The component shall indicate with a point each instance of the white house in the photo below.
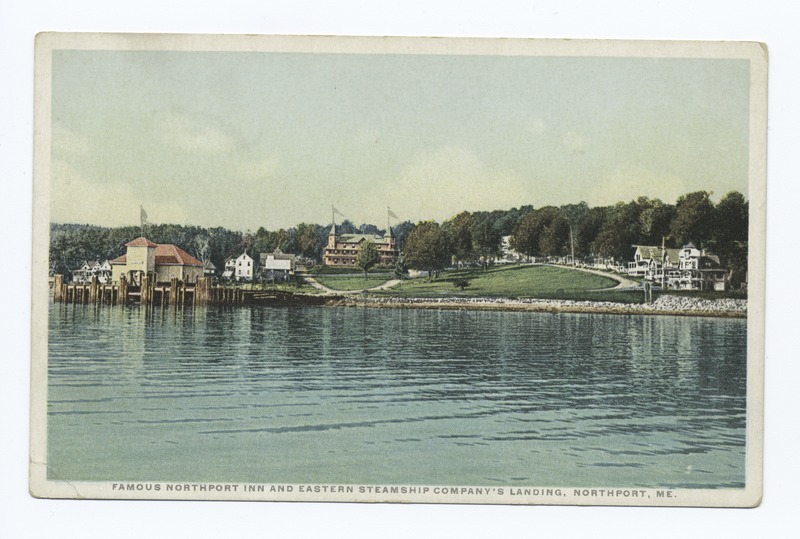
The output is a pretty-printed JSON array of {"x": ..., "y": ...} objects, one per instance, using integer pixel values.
[
  {"x": 276, "y": 266},
  {"x": 240, "y": 268},
  {"x": 89, "y": 269},
  {"x": 697, "y": 270},
  {"x": 650, "y": 262},
  {"x": 509, "y": 255}
]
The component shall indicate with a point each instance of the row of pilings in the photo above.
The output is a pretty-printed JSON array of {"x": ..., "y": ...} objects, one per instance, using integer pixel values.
[
  {"x": 148, "y": 292},
  {"x": 92, "y": 292}
]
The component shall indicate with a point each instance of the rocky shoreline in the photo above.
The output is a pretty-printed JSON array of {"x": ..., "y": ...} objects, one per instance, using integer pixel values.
[{"x": 664, "y": 305}]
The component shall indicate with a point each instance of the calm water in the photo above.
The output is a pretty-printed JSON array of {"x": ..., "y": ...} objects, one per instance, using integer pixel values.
[{"x": 338, "y": 395}]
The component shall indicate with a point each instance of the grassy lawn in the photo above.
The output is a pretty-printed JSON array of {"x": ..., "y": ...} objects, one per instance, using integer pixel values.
[
  {"x": 332, "y": 270},
  {"x": 544, "y": 282},
  {"x": 352, "y": 282}
]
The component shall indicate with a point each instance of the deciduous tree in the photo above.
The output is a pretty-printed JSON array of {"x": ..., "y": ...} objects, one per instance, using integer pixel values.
[
  {"x": 427, "y": 248},
  {"x": 367, "y": 256}
]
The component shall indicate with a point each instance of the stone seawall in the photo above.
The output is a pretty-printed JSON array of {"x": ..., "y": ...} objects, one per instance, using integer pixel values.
[{"x": 664, "y": 305}]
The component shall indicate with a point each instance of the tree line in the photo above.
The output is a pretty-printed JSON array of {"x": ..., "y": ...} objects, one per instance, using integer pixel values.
[
  {"x": 607, "y": 232},
  {"x": 469, "y": 237},
  {"x": 71, "y": 244}
]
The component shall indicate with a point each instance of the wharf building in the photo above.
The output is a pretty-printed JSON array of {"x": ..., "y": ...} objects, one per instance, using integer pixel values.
[{"x": 165, "y": 261}]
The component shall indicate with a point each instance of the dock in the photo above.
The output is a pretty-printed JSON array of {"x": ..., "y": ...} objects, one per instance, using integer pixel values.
[{"x": 175, "y": 294}]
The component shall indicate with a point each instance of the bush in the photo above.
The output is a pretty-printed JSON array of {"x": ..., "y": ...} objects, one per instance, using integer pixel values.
[{"x": 461, "y": 283}]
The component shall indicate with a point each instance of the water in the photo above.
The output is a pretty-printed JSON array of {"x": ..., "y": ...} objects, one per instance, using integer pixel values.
[{"x": 371, "y": 396}]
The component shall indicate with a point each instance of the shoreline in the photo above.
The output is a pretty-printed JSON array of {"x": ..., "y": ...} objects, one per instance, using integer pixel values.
[{"x": 664, "y": 306}]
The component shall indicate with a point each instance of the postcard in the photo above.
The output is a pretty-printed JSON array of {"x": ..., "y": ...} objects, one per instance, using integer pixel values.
[{"x": 384, "y": 269}]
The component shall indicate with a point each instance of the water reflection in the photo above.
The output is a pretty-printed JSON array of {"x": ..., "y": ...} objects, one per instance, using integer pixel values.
[{"x": 408, "y": 396}]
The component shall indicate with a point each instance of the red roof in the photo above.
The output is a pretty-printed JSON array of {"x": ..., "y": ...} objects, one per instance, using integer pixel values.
[
  {"x": 172, "y": 254},
  {"x": 167, "y": 254},
  {"x": 141, "y": 241}
]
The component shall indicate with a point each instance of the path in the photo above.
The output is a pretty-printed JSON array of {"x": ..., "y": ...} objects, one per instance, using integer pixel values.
[
  {"x": 301, "y": 272},
  {"x": 622, "y": 282}
]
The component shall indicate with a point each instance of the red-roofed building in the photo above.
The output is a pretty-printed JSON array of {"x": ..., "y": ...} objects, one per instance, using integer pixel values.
[{"x": 166, "y": 261}]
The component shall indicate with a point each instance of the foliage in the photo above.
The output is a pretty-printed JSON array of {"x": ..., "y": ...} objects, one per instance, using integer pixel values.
[
  {"x": 461, "y": 283},
  {"x": 367, "y": 256},
  {"x": 602, "y": 231},
  {"x": 694, "y": 214},
  {"x": 485, "y": 240},
  {"x": 528, "y": 235},
  {"x": 459, "y": 230},
  {"x": 401, "y": 231},
  {"x": 427, "y": 248},
  {"x": 619, "y": 232}
]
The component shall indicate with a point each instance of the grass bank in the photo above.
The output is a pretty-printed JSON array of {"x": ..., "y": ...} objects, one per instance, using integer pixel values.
[
  {"x": 545, "y": 282},
  {"x": 334, "y": 270}
]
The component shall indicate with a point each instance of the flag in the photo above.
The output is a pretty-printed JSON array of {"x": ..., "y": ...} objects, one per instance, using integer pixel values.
[
  {"x": 392, "y": 214},
  {"x": 143, "y": 215},
  {"x": 336, "y": 212}
]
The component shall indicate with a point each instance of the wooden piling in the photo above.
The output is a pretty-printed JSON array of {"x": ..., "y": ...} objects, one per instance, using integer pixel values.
[
  {"x": 58, "y": 287},
  {"x": 93, "y": 289},
  {"x": 122, "y": 292},
  {"x": 200, "y": 292},
  {"x": 147, "y": 290}
]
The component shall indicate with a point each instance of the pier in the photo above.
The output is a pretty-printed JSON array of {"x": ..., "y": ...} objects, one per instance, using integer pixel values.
[{"x": 175, "y": 294}]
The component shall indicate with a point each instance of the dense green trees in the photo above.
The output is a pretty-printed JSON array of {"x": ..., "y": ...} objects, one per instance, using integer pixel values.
[
  {"x": 427, "y": 248},
  {"x": 533, "y": 228},
  {"x": 604, "y": 231},
  {"x": 694, "y": 219},
  {"x": 459, "y": 231},
  {"x": 485, "y": 239}
]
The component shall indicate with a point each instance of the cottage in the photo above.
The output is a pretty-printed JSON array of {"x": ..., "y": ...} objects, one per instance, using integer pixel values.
[
  {"x": 276, "y": 266},
  {"x": 164, "y": 261},
  {"x": 240, "y": 268},
  {"x": 651, "y": 262},
  {"x": 89, "y": 269},
  {"x": 697, "y": 270},
  {"x": 341, "y": 249}
]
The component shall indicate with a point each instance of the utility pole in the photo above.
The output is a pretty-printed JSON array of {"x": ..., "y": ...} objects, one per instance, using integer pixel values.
[
  {"x": 572, "y": 244},
  {"x": 663, "y": 262}
]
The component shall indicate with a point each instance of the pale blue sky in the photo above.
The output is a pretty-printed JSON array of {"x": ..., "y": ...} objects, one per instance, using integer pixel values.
[{"x": 244, "y": 140}]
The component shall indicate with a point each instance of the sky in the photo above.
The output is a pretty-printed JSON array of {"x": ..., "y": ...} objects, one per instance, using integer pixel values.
[{"x": 250, "y": 139}]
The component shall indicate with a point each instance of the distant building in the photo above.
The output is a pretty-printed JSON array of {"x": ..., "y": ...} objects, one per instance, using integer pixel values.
[
  {"x": 277, "y": 266},
  {"x": 165, "y": 261},
  {"x": 209, "y": 269},
  {"x": 697, "y": 270},
  {"x": 509, "y": 255},
  {"x": 89, "y": 269},
  {"x": 341, "y": 249},
  {"x": 241, "y": 268},
  {"x": 650, "y": 261}
]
